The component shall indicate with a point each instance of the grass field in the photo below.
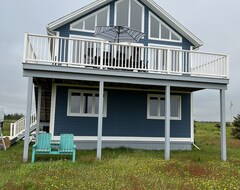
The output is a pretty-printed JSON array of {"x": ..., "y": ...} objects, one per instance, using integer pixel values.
[{"x": 127, "y": 169}]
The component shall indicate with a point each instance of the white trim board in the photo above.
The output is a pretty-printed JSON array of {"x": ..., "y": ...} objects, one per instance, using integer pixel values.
[{"x": 129, "y": 139}]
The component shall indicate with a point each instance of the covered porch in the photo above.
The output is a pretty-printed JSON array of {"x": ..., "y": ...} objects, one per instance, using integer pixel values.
[{"x": 131, "y": 79}]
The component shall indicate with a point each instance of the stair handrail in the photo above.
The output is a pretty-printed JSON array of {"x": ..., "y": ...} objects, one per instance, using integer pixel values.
[{"x": 19, "y": 126}]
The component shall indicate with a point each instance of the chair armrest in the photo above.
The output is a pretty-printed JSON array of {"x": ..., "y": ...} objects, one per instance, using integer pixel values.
[
  {"x": 74, "y": 146},
  {"x": 35, "y": 146}
]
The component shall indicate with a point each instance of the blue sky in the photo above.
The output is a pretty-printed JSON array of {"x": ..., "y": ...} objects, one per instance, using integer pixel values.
[{"x": 216, "y": 23}]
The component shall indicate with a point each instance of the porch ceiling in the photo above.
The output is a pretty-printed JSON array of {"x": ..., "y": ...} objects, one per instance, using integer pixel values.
[{"x": 111, "y": 85}]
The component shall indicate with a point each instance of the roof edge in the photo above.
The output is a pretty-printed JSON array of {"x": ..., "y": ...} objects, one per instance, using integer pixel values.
[{"x": 71, "y": 16}]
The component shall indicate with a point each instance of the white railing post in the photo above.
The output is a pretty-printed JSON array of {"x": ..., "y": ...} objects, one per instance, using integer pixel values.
[
  {"x": 14, "y": 129},
  {"x": 168, "y": 61},
  {"x": 101, "y": 55},
  {"x": 25, "y": 49},
  {"x": 190, "y": 62},
  {"x": 11, "y": 128},
  {"x": 227, "y": 66}
]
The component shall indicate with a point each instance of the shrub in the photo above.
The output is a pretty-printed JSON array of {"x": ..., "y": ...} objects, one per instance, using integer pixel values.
[
  {"x": 228, "y": 124},
  {"x": 236, "y": 128}
]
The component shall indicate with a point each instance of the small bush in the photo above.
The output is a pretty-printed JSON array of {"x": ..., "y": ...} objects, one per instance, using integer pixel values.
[
  {"x": 228, "y": 124},
  {"x": 236, "y": 128}
]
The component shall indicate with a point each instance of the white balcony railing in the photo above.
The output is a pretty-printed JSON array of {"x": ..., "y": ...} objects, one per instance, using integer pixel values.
[{"x": 98, "y": 54}]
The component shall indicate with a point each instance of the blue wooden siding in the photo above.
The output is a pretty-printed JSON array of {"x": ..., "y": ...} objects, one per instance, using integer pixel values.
[
  {"x": 126, "y": 116},
  {"x": 66, "y": 32}
]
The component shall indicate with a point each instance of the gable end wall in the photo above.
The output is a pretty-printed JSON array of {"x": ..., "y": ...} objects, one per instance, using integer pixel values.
[{"x": 66, "y": 32}]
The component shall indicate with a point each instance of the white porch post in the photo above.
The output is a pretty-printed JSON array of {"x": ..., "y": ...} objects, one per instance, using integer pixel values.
[
  {"x": 100, "y": 120},
  {"x": 28, "y": 119},
  {"x": 167, "y": 123},
  {"x": 223, "y": 125},
  {"x": 39, "y": 108}
]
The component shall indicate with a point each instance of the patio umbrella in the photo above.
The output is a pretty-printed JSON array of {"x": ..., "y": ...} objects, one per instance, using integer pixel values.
[{"x": 118, "y": 33}]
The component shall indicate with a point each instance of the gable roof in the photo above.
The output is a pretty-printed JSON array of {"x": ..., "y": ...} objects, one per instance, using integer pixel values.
[{"x": 150, "y": 3}]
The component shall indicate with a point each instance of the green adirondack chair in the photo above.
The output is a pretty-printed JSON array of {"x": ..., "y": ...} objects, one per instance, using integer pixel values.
[
  {"x": 67, "y": 145},
  {"x": 42, "y": 145}
]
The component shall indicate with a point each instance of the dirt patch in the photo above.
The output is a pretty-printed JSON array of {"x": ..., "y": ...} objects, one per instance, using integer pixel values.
[
  {"x": 233, "y": 143},
  {"x": 198, "y": 171},
  {"x": 173, "y": 169}
]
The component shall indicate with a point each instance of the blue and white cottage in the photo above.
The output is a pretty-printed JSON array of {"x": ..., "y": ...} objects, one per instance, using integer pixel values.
[{"x": 136, "y": 95}]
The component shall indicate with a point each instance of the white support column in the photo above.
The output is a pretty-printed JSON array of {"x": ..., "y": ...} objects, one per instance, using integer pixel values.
[
  {"x": 39, "y": 108},
  {"x": 100, "y": 120},
  {"x": 223, "y": 125},
  {"x": 167, "y": 123},
  {"x": 192, "y": 120},
  {"x": 28, "y": 119}
]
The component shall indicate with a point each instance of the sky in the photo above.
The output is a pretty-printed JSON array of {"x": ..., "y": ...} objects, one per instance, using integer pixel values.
[{"x": 216, "y": 23}]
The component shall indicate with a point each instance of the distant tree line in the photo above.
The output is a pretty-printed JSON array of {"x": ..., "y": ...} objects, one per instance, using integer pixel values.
[{"x": 14, "y": 116}]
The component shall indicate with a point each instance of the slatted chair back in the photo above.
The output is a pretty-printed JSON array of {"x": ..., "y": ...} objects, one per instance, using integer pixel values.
[
  {"x": 43, "y": 142},
  {"x": 66, "y": 143}
]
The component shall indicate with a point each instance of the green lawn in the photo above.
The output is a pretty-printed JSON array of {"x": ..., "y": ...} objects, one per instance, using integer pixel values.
[{"x": 129, "y": 169}]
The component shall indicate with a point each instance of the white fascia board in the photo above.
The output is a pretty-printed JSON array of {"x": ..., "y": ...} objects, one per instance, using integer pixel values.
[{"x": 70, "y": 17}]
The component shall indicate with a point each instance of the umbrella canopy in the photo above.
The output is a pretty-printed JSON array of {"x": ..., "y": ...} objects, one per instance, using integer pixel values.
[{"x": 118, "y": 33}]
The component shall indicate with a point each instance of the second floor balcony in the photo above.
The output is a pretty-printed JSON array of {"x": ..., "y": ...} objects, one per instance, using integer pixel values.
[{"x": 61, "y": 51}]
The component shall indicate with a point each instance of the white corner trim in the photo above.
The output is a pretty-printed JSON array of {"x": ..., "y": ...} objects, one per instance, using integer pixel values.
[
  {"x": 130, "y": 139},
  {"x": 53, "y": 109}
]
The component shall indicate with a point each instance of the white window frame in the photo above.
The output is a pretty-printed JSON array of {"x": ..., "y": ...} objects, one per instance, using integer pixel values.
[
  {"x": 161, "y": 23},
  {"x": 129, "y": 13},
  {"x": 85, "y": 18},
  {"x": 81, "y": 113},
  {"x": 163, "y": 117}
]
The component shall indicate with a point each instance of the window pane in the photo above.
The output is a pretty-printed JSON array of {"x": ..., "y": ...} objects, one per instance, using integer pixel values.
[
  {"x": 175, "y": 37},
  {"x": 90, "y": 23},
  {"x": 122, "y": 13},
  {"x": 102, "y": 18},
  {"x": 154, "y": 28},
  {"x": 136, "y": 16},
  {"x": 75, "y": 102},
  {"x": 153, "y": 106},
  {"x": 175, "y": 106},
  {"x": 96, "y": 103},
  {"x": 165, "y": 32},
  {"x": 162, "y": 107},
  {"x": 87, "y": 102},
  {"x": 78, "y": 25}
]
